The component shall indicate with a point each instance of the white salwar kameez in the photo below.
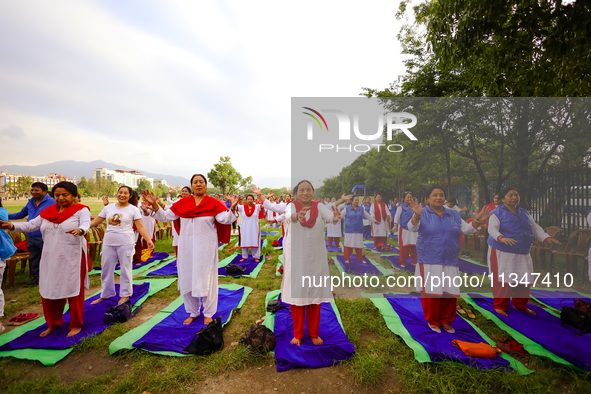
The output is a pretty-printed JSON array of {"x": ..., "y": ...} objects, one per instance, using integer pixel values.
[
  {"x": 250, "y": 232},
  {"x": 334, "y": 230},
  {"x": 509, "y": 264},
  {"x": 59, "y": 269},
  {"x": 197, "y": 259},
  {"x": 379, "y": 230},
  {"x": 428, "y": 271},
  {"x": 355, "y": 240},
  {"x": 405, "y": 237}
]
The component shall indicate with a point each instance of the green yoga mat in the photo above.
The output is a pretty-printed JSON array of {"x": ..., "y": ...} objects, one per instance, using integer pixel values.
[
  {"x": 50, "y": 357},
  {"x": 395, "y": 325},
  {"x": 138, "y": 270},
  {"x": 279, "y": 264},
  {"x": 550, "y": 308},
  {"x": 127, "y": 340}
]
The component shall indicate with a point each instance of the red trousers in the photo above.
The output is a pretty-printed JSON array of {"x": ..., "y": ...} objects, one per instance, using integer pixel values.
[
  {"x": 336, "y": 240},
  {"x": 502, "y": 292},
  {"x": 54, "y": 309},
  {"x": 380, "y": 241},
  {"x": 405, "y": 251},
  {"x": 439, "y": 310},
  {"x": 298, "y": 315},
  {"x": 348, "y": 252}
]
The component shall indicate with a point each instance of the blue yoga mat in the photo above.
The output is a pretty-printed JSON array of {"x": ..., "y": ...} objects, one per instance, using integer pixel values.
[
  {"x": 249, "y": 264},
  {"x": 155, "y": 257},
  {"x": 358, "y": 268},
  {"x": 395, "y": 260},
  {"x": 472, "y": 268},
  {"x": 169, "y": 269},
  {"x": 280, "y": 242},
  {"x": 332, "y": 248},
  {"x": 546, "y": 330},
  {"x": 336, "y": 346},
  {"x": 93, "y": 325},
  {"x": 159, "y": 337},
  {"x": 439, "y": 346},
  {"x": 558, "y": 298},
  {"x": 269, "y": 232},
  {"x": 370, "y": 245}
]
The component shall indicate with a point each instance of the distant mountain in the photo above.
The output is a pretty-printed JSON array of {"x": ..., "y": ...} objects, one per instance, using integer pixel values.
[{"x": 79, "y": 169}]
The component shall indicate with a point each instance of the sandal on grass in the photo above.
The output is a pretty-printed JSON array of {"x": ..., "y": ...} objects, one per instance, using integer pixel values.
[
  {"x": 23, "y": 318},
  {"x": 460, "y": 310},
  {"x": 471, "y": 314}
]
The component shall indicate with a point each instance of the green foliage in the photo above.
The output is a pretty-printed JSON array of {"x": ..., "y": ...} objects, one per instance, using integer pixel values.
[
  {"x": 97, "y": 187},
  {"x": 142, "y": 185},
  {"x": 21, "y": 186},
  {"x": 224, "y": 176}
]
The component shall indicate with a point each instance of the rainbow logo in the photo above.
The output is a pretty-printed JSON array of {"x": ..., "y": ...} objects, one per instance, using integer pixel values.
[{"x": 315, "y": 118}]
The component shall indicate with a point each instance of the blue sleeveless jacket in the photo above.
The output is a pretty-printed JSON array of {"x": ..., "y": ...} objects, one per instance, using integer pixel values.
[
  {"x": 7, "y": 248},
  {"x": 354, "y": 220},
  {"x": 405, "y": 215},
  {"x": 439, "y": 237},
  {"x": 519, "y": 227}
]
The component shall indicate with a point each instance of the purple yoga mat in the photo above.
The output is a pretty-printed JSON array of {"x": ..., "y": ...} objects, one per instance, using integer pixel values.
[
  {"x": 332, "y": 248},
  {"x": 546, "y": 330},
  {"x": 169, "y": 269},
  {"x": 410, "y": 310},
  {"x": 369, "y": 245},
  {"x": 472, "y": 268},
  {"x": 249, "y": 264},
  {"x": 395, "y": 260},
  {"x": 336, "y": 346},
  {"x": 93, "y": 325},
  {"x": 358, "y": 268},
  {"x": 155, "y": 257},
  {"x": 559, "y": 298}
]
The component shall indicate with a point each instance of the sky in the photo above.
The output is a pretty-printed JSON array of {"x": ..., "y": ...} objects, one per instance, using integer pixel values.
[{"x": 171, "y": 86}]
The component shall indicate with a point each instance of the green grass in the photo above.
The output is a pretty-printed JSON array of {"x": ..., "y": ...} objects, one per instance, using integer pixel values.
[{"x": 381, "y": 357}]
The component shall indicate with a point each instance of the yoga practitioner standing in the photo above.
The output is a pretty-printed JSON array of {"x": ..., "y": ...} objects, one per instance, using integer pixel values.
[
  {"x": 511, "y": 235},
  {"x": 379, "y": 229},
  {"x": 63, "y": 269},
  {"x": 354, "y": 216},
  {"x": 407, "y": 240},
  {"x": 203, "y": 221},
  {"x": 334, "y": 232},
  {"x": 119, "y": 243},
  {"x": 438, "y": 246},
  {"x": 250, "y": 228}
]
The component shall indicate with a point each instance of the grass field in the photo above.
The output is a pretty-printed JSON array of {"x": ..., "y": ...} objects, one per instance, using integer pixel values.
[{"x": 382, "y": 363}]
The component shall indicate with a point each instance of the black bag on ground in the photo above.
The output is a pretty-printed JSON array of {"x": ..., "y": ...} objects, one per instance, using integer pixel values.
[
  {"x": 576, "y": 319},
  {"x": 120, "y": 313},
  {"x": 273, "y": 306},
  {"x": 259, "y": 338},
  {"x": 208, "y": 340},
  {"x": 233, "y": 269}
]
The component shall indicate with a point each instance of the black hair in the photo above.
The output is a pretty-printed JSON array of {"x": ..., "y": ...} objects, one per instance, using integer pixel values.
[
  {"x": 431, "y": 191},
  {"x": 354, "y": 198},
  {"x": 249, "y": 195},
  {"x": 404, "y": 195},
  {"x": 452, "y": 200},
  {"x": 288, "y": 194},
  {"x": 505, "y": 191},
  {"x": 40, "y": 185},
  {"x": 202, "y": 176},
  {"x": 132, "y": 195},
  {"x": 69, "y": 186},
  {"x": 295, "y": 189},
  {"x": 188, "y": 188}
]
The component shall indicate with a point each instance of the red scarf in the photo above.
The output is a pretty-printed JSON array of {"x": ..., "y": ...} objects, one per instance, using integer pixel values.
[
  {"x": 52, "y": 214},
  {"x": 313, "y": 213},
  {"x": 248, "y": 211},
  {"x": 262, "y": 211},
  {"x": 380, "y": 214},
  {"x": 209, "y": 206}
]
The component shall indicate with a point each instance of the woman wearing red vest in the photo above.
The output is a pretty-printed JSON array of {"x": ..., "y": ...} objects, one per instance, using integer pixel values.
[
  {"x": 63, "y": 269},
  {"x": 511, "y": 235}
]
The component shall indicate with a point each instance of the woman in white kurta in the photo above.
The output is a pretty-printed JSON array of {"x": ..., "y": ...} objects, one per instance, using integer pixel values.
[
  {"x": 511, "y": 232},
  {"x": 379, "y": 229},
  {"x": 186, "y": 191},
  {"x": 63, "y": 270},
  {"x": 334, "y": 232},
  {"x": 407, "y": 240},
  {"x": 354, "y": 216},
  {"x": 250, "y": 228},
  {"x": 197, "y": 258},
  {"x": 305, "y": 261}
]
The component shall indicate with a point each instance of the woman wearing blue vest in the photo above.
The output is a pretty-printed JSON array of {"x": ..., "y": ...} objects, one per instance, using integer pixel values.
[
  {"x": 438, "y": 247},
  {"x": 407, "y": 240},
  {"x": 511, "y": 235},
  {"x": 354, "y": 215}
]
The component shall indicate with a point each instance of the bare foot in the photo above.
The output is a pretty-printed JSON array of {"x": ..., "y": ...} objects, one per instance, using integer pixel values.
[
  {"x": 74, "y": 331},
  {"x": 448, "y": 328},
  {"x": 256, "y": 260},
  {"x": 527, "y": 310},
  {"x": 122, "y": 300},
  {"x": 48, "y": 331},
  {"x": 296, "y": 341},
  {"x": 241, "y": 260},
  {"x": 501, "y": 312},
  {"x": 189, "y": 320},
  {"x": 317, "y": 341},
  {"x": 97, "y": 301},
  {"x": 403, "y": 265},
  {"x": 207, "y": 320}
]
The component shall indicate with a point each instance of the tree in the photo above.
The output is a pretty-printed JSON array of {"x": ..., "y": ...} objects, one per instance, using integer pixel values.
[
  {"x": 225, "y": 177},
  {"x": 142, "y": 185},
  {"x": 163, "y": 190}
]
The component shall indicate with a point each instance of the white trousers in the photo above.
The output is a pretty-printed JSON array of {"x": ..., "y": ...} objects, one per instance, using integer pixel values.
[
  {"x": 256, "y": 253},
  {"x": 193, "y": 305},
  {"x": 109, "y": 258}
]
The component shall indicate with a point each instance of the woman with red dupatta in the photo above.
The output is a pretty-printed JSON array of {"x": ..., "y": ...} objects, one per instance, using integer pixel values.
[
  {"x": 250, "y": 228},
  {"x": 63, "y": 270},
  {"x": 379, "y": 230},
  {"x": 201, "y": 222}
]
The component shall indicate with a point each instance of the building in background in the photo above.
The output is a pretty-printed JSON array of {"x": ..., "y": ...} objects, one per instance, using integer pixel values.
[
  {"x": 124, "y": 177},
  {"x": 51, "y": 180},
  {"x": 158, "y": 182}
]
